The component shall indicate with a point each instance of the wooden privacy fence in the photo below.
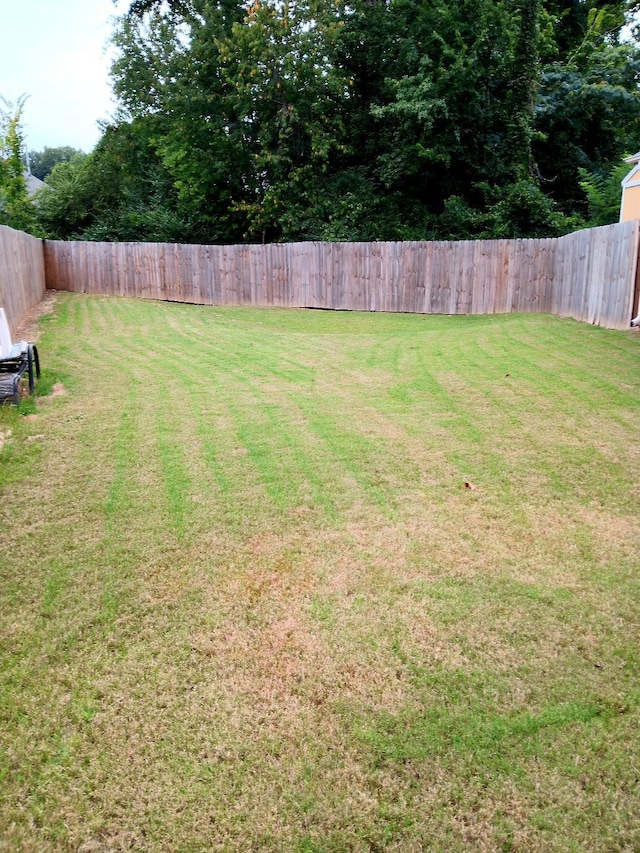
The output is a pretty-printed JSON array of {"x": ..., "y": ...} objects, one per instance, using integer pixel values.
[
  {"x": 589, "y": 275},
  {"x": 22, "y": 276}
]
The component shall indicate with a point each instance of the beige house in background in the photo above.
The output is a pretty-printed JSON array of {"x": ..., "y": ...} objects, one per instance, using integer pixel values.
[{"x": 630, "y": 204}]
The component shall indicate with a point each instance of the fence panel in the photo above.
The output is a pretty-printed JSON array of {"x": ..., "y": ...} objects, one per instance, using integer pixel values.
[
  {"x": 22, "y": 274},
  {"x": 589, "y": 275}
]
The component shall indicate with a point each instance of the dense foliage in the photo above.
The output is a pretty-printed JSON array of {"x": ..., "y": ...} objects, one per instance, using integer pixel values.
[
  {"x": 42, "y": 162},
  {"x": 311, "y": 119},
  {"x": 16, "y": 210}
]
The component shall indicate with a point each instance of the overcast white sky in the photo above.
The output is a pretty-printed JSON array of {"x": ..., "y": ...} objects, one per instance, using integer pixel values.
[{"x": 54, "y": 52}]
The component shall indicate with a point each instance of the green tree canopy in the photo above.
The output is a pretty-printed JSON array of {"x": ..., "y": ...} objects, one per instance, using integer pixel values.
[
  {"x": 373, "y": 119},
  {"x": 16, "y": 209},
  {"x": 42, "y": 162}
]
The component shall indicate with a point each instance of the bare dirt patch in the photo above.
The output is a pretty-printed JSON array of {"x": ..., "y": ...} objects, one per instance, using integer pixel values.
[
  {"x": 58, "y": 390},
  {"x": 5, "y": 437},
  {"x": 29, "y": 328}
]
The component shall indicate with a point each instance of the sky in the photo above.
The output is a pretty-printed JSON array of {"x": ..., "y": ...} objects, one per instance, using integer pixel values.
[{"x": 54, "y": 51}]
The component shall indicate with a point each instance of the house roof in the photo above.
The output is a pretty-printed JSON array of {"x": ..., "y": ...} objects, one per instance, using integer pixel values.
[
  {"x": 635, "y": 158},
  {"x": 33, "y": 183}
]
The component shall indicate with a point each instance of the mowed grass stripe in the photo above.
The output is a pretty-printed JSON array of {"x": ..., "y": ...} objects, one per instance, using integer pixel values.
[
  {"x": 443, "y": 408},
  {"x": 286, "y": 479},
  {"x": 483, "y": 468},
  {"x": 257, "y": 421},
  {"x": 365, "y": 655},
  {"x": 568, "y": 378},
  {"x": 199, "y": 366}
]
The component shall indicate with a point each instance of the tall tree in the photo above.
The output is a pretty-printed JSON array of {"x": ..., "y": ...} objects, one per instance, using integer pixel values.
[
  {"x": 42, "y": 162},
  {"x": 588, "y": 106},
  {"x": 16, "y": 209},
  {"x": 283, "y": 97},
  {"x": 521, "y": 96},
  {"x": 367, "y": 119},
  {"x": 168, "y": 79}
]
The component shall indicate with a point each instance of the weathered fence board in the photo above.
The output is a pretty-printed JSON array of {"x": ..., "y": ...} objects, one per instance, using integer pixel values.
[
  {"x": 22, "y": 276},
  {"x": 589, "y": 275}
]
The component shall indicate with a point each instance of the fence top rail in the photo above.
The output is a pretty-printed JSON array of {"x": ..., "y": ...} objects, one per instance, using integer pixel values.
[{"x": 374, "y": 244}]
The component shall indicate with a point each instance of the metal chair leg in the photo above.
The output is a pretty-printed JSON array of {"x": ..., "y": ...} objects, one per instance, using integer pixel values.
[{"x": 32, "y": 383}]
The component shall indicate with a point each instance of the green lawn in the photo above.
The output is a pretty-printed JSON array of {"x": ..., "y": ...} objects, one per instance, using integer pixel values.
[{"x": 291, "y": 580}]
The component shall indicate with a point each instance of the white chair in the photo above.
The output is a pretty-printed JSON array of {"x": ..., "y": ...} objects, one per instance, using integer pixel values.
[{"x": 15, "y": 360}]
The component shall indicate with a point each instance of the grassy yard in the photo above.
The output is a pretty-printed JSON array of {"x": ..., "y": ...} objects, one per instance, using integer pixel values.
[{"x": 306, "y": 581}]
